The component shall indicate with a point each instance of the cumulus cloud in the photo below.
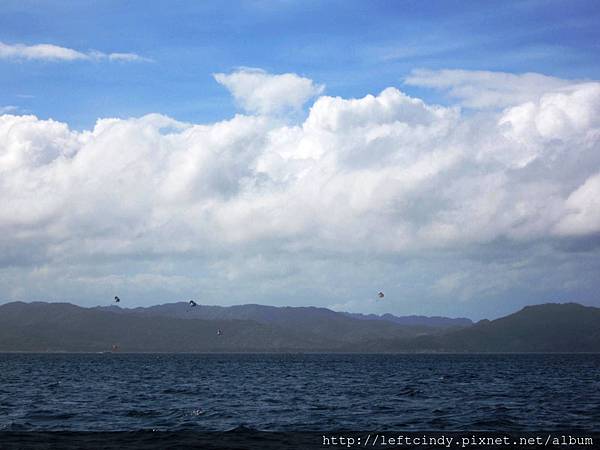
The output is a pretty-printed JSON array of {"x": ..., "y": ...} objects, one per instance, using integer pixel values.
[
  {"x": 345, "y": 196},
  {"x": 257, "y": 91},
  {"x": 50, "y": 52}
]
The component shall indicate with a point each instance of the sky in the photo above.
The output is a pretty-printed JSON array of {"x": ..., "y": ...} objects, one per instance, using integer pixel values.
[{"x": 301, "y": 153}]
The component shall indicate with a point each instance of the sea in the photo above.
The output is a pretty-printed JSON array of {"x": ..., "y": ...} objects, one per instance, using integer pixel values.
[{"x": 50, "y": 394}]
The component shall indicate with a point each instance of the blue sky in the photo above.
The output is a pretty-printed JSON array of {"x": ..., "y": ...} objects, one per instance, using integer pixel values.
[
  {"x": 352, "y": 47},
  {"x": 301, "y": 153}
]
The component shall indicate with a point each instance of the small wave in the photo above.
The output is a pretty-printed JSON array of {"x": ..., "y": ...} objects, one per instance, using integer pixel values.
[
  {"x": 141, "y": 413},
  {"x": 49, "y": 415},
  {"x": 242, "y": 429},
  {"x": 178, "y": 391},
  {"x": 408, "y": 391},
  {"x": 15, "y": 426},
  {"x": 494, "y": 424}
]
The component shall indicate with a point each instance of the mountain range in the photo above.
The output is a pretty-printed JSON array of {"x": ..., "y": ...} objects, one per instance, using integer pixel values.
[{"x": 178, "y": 327}]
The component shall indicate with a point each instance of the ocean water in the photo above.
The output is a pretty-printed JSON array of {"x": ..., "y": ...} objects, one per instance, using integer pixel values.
[{"x": 298, "y": 392}]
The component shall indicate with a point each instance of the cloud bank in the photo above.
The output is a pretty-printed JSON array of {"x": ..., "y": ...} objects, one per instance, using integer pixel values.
[
  {"x": 380, "y": 192},
  {"x": 50, "y": 52}
]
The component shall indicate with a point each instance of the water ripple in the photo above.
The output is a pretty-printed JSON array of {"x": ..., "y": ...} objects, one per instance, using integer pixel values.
[{"x": 298, "y": 392}]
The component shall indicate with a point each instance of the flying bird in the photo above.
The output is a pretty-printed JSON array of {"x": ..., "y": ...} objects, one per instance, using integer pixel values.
[
  {"x": 117, "y": 299},
  {"x": 193, "y": 303},
  {"x": 381, "y": 294},
  {"x": 219, "y": 332}
]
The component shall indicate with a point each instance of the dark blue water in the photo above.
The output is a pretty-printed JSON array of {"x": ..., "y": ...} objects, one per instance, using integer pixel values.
[{"x": 110, "y": 392}]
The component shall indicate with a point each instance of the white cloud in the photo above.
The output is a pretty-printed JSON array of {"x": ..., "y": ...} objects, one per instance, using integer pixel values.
[
  {"x": 259, "y": 92},
  {"x": 126, "y": 57},
  {"x": 388, "y": 166},
  {"x": 583, "y": 206},
  {"x": 356, "y": 184},
  {"x": 484, "y": 89},
  {"x": 50, "y": 52},
  {"x": 565, "y": 113},
  {"x": 8, "y": 109},
  {"x": 40, "y": 51}
]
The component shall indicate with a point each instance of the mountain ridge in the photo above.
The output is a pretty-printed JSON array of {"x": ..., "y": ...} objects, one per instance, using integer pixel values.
[
  {"x": 40, "y": 326},
  {"x": 268, "y": 314}
]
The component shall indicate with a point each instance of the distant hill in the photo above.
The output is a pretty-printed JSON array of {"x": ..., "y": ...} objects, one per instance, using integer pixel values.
[
  {"x": 65, "y": 327},
  {"x": 542, "y": 328},
  {"x": 417, "y": 321},
  {"x": 321, "y": 323},
  {"x": 551, "y": 327},
  {"x": 178, "y": 328}
]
